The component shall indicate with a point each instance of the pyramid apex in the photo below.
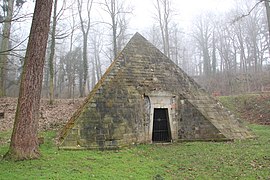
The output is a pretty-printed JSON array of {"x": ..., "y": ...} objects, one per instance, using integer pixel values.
[
  {"x": 141, "y": 46},
  {"x": 137, "y": 35}
]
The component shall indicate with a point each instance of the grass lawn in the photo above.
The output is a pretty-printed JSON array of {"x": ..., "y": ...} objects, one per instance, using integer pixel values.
[{"x": 248, "y": 159}]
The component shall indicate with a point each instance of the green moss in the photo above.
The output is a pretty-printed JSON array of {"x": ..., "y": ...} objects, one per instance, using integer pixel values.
[{"x": 109, "y": 103}]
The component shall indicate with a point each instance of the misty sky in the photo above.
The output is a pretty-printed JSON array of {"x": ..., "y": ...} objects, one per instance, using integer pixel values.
[{"x": 184, "y": 10}]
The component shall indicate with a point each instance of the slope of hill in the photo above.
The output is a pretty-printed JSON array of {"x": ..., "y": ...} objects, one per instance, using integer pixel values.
[
  {"x": 51, "y": 116},
  {"x": 254, "y": 108}
]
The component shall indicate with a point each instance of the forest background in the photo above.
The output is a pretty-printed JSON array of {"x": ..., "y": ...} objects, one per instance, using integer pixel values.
[{"x": 224, "y": 46}]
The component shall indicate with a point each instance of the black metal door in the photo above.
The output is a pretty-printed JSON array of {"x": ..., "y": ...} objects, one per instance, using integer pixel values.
[{"x": 161, "y": 126}]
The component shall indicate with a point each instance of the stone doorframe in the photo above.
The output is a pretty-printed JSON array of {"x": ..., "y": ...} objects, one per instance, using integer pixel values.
[{"x": 163, "y": 100}]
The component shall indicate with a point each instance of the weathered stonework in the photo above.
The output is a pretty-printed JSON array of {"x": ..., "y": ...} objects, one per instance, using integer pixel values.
[{"x": 120, "y": 109}]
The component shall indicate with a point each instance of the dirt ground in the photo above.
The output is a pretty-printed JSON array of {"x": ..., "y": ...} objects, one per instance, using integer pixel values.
[{"x": 52, "y": 117}]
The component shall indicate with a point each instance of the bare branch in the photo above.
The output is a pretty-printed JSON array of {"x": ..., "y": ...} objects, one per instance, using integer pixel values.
[
  {"x": 249, "y": 12},
  {"x": 18, "y": 18},
  {"x": 15, "y": 46}
]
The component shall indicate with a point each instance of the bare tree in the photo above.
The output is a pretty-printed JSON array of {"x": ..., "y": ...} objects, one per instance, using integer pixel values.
[
  {"x": 214, "y": 56},
  {"x": 96, "y": 39},
  {"x": 267, "y": 8},
  {"x": 55, "y": 36},
  {"x": 73, "y": 26},
  {"x": 164, "y": 13},
  {"x": 52, "y": 53},
  {"x": 153, "y": 35},
  {"x": 72, "y": 69},
  {"x": 202, "y": 33},
  {"x": 24, "y": 141},
  {"x": 5, "y": 44},
  {"x": 239, "y": 51},
  {"x": 116, "y": 10},
  {"x": 85, "y": 28},
  {"x": 176, "y": 46},
  {"x": 122, "y": 36}
]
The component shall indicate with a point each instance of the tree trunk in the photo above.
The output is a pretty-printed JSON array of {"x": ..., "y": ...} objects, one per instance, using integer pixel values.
[
  {"x": 24, "y": 140},
  {"x": 85, "y": 31},
  {"x": 166, "y": 26},
  {"x": 268, "y": 16},
  {"x": 161, "y": 26},
  {"x": 206, "y": 61},
  {"x": 85, "y": 64},
  {"x": 81, "y": 84},
  {"x": 52, "y": 52},
  {"x": 267, "y": 13},
  {"x": 214, "y": 58},
  {"x": 114, "y": 28},
  {"x": 93, "y": 75},
  {"x": 167, "y": 43},
  {"x": 5, "y": 47},
  {"x": 114, "y": 42}
]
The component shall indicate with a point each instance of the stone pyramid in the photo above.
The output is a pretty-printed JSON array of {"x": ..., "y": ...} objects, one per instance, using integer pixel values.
[{"x": 144, "y": 97}]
